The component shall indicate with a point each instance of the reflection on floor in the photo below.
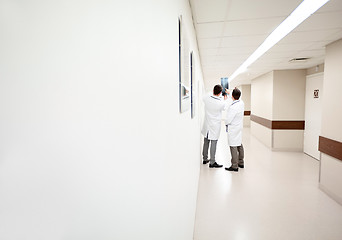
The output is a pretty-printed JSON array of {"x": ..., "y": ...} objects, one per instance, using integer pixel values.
[{"x": 275, "y": 197}]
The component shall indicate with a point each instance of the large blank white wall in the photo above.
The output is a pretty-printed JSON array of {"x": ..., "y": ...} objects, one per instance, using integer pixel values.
[
  {"x": 92, "y": 145},
  {"x": 331, "y": 168}
]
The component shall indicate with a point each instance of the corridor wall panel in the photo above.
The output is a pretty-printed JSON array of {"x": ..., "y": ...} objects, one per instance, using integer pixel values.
[
  {"x": 277, "y": 106},
  {"x": 288, "y": 140},
  {"x": 246, "y": 97},
  {"x": 263, "y": 134},
  {"x": 289, "y": 95},
  {"x": 331, "y": 167},
  {"x": 262, "y": 96}
]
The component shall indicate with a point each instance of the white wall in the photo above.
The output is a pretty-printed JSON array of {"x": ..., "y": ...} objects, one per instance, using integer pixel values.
[
  {"x": 289, "y": 95},
  {"x": 289, "y": 104},
  {"x": 263, "y": 134},
  {"x": 331, "y": 168},
  {"x": 261, "y": 106},
  {"x": 288, "y": 140},
  {"x": 262, "y": 96},
  {"x": 279, "y": 95},
  {"x": 316, "y": 69},
  {"x": 92, "y": 145},
  {"x": 246, "y": 97},
  {"x": 332, "y": 85}
]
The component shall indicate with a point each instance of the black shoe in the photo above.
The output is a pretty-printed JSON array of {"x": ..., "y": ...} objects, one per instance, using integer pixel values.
[
  {"x": 205, "y": 161},
  {"x": 241, "y": 166},
  {"x": 215, "y": 165},
  {"x": 232, "y": 169}
]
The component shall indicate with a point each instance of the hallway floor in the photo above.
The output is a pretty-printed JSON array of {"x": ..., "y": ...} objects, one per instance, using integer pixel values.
[{"x": 276, "y": 196}]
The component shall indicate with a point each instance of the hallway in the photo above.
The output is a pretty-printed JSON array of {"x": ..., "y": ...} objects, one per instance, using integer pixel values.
[{"x": 276, "y": 196}]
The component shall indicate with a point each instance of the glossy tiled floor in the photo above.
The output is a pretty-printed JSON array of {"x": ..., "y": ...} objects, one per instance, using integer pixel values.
[{"x": 276, "y": 197}]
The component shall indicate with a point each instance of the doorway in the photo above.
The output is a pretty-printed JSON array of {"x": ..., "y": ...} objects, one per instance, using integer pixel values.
[{"x": 313, "y": 114}]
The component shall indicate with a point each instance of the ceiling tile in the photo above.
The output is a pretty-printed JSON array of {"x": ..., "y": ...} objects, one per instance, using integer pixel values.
[
  {"x": 209, "y": 30},
  {"x": 209, "y": 43},
  {"x": 231, "y": 60},
  {"x": 209, "y": 11},
  {"x": 335, "y": 36},
  {"x": 249, "y": 9},
  {"x": 233, "y": 50},
  {"x": 321, "y": 21},
  {"x": 331, "y": 6},
  {"x": 252, "y": 27},
  {"x": 310, "y": 53},
  {"x": 298, "y": 37},
  {"x": 206, "y": 62},
  {"x": 278, "y": 54},
  {"x": 284, "y": 47},
  {"x": 209, "y": 52},
  {"x": 316, "y": 45},
  {"x": 243, "y": 41}
]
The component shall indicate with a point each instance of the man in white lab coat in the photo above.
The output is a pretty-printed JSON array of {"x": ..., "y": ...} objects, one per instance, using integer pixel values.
[
  {"x": 234, "y": 126},
  {"x": 214, "y": 105}
]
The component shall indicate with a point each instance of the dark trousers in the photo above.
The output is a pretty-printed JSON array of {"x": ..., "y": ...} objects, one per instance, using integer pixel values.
[
  {"x": 238, "y": 155},
  {"x": 212, "y": 150}
]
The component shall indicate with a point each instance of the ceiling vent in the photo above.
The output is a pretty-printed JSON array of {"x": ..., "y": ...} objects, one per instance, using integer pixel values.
[{"x": 299, "y": 60}]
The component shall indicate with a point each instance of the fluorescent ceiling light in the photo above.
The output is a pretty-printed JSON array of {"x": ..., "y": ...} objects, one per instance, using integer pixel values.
[{"x": 302, "y": 12}]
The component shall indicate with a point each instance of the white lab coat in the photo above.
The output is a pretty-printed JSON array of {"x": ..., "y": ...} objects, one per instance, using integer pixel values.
[
  {"x": 213, "y": 116},
  {"x": 234, "y": 122}
]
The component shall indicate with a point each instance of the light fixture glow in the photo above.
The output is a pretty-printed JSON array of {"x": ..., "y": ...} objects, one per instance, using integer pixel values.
[{"x": 302, "y": 12}]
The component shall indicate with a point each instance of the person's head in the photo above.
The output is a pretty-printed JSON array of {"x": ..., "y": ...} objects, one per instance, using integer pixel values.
[
  {"x": 217, "y": 90},
  {"x": 236, "y": 93}
]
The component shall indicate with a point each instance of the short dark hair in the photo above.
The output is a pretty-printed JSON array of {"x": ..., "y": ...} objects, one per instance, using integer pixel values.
[
  {"x": 217, "y": 89},
  {"x": 236, "y": 93}
]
